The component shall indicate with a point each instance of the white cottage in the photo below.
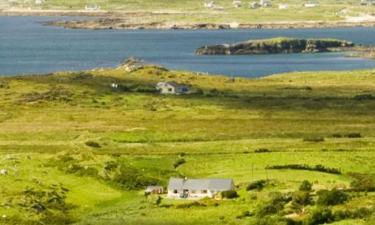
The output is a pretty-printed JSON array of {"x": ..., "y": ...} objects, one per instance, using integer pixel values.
[
  {"x": 172, "y": 88},
  {"x": 179, "y": 188}
]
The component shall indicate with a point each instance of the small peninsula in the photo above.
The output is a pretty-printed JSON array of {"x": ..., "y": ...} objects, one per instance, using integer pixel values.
[{"x": 280, "y": 45}]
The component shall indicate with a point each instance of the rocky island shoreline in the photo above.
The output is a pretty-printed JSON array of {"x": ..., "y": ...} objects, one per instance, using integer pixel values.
[
  {"x": 127, "y": 24},
  {"x": 280, "y": 45}
]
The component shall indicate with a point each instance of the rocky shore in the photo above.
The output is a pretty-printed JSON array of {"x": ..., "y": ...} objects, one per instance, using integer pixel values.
[
  {"x": 279, "y": 45},
  {"x": 125, "y": 23}
]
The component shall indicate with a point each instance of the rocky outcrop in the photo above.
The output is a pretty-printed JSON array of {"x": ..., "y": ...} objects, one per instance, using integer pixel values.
[{"x": 276, "y": 46}]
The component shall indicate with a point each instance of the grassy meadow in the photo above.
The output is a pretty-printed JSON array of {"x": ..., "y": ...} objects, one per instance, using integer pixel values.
[
  {"x": 74, "y": 150},
  {"x": 193, "y": 11}
]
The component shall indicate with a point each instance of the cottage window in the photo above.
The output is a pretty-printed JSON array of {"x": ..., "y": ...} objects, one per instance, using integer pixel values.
[
  {"x": 170, "y": 89},
  {"x": 204, "y": 191},
  {"x": 175, "y": 191}
]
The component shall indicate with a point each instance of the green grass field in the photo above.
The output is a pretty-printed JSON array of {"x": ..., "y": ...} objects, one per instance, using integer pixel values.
[
  {"x": 193, "y": 11},
  {"x": 102, "y": 145}
]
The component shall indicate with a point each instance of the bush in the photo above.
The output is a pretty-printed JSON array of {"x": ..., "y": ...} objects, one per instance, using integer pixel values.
[
  {"x": 333, "y": 197},
  {"x": 229, "y": 194},
  {"x": 179, "y": 162},
  {"x": 262, "y": 150},
  {"x": 130, "y": 178},
  {"x": 92, "y": 144},
  {"x": 257, "y": 185},
  {"x": 305, "y": 186},
  {"x": 313, "y": 139},
  {"x": 321, "y": 216},
  {"x": 275, "y": 205},
  {"x": 301, "y": 199},
  {"x": 354, "y": 135},
  {"x": 319, "y": 168},
  {"x": 362, "y": 182}
]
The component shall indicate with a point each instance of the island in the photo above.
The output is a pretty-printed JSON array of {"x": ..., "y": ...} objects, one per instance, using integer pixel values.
[{"x": 280, "y": 45}]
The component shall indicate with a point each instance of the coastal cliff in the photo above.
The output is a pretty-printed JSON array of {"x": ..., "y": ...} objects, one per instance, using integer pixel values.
[{"x": 276, "y": 46}]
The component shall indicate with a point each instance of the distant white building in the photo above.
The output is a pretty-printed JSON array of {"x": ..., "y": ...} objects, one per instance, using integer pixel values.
[
  {"x": 172, "y": 88},
  {"x": 254, "y": 5},
  {"x": 367, "y": 2},
  {"x": 39, "y": 2},
  {"x": 237, "y": 3},
  {"x": 283, "y": 6},
  {"x": 92, "y": 7},
  {"x": 179, "y": 188},
  {"x": 209, "y": 4},
  {"x": 265, "y": 3},
  {"x": 310, "y": 5}
]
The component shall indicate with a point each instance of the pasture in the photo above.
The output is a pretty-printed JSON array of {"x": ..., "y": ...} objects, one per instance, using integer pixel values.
[{"x": 78, "y": 151}]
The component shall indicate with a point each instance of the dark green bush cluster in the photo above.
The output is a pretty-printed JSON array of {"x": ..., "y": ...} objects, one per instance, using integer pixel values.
[
  {"x": 262, "y": 150},
  {"x": 305, "y": 186},
  {"x": 179, "y": 162},
  {"x": 313, "y": 139},
  {"x": 191, "y": 205},
  {"x": 362, "y": 182},
  {"x": 364, "y": 97},
  {"x": 333, "y": 197},
  {"x": 230, "y": 194},
  {"x": 301, "y": 199},
  {"x": 92, "y": 144},
  {"x": 130, "y": 178},
  {"x": 275, "y": 204},
  {"x": 319, "y": 168},
  {"x": 348, "y": 135},
  {"x": 49, "y": 203},
  {"x": 326, "y": 215},
  {"x": 257, "y": 185}
]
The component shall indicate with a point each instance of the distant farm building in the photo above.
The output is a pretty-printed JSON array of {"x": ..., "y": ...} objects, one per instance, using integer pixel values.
[
  {"x": 367, "y": 2},
  {"x": 237, "y": 3},
  {"x": 39, "y": 2},
  {"x": 172, "y": 88},
  {"x": 254, "y": 5},
  {"x": 283, "y": 6},
  {"x": 209, "y": 4},
  {"x": 179, "y": 188},
  {"x": 154, "y": 190},
  {"x": 92, "y": 7},
  {"x": 310, "y": 5},
  {"x": 265, "y": 3}
]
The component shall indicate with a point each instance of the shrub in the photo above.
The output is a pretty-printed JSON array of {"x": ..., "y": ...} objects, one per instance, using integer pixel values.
[
  {"x": 179, "y": 162},
  {"x": 229, "y": 194},
  {"x": 244, "y": 214},
  {"x": 333, "y": 197},
  {"x": 313, "y": 139},
  {"x": 275, "y": 205},
  {"x": 262, "y": 150},
  {"x": 319, "y": 168},
  {"x": 321, "y": 216},
  {"x": 305, "y": 186},
  {"x": 301, "y": 199},
  {"x": 362, "y": 182},
  {"x": 130, "y": 178},
  {"x": 354, "y": 135},
  {"x": 257, "y": 185},
  {"x": 92, "y": 144}
]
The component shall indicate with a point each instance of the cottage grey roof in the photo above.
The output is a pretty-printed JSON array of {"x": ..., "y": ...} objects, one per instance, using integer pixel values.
[
  {"x": 201, "y": 184},
  {"x": 175, "y": 183},
  {"x": 170, "y": 83}
]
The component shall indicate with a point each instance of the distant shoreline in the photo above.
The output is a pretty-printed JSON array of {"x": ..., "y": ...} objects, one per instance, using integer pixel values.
[{"x": 122, "y": 20}]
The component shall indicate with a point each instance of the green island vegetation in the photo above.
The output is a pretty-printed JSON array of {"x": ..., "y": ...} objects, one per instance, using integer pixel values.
[
  {"x": 278, "y": 45},
  {"x": 75, "y": 149}
]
